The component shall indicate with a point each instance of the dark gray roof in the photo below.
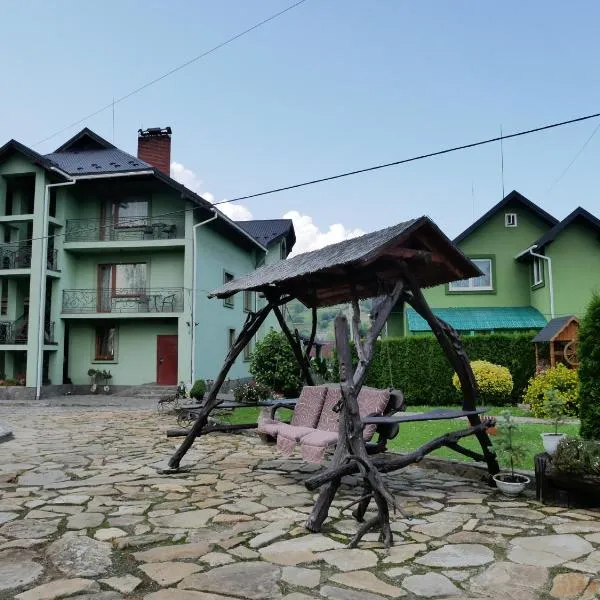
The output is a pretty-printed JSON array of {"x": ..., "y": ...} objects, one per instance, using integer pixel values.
[
  {"x": 321, "y": 277},
  {"x": 553, "y": 327},
  {"x": 513, "y": 198},
  {"x": 578, "y": 213},
  {"x": 86, "y": 162},
  {"x": 267, "y": 231}
]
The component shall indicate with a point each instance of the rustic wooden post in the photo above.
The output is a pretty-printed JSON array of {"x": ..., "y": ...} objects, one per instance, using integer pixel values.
[
  {"x": 351, "y": 445},
  {"x": 253, "y": 322},
  {"x": 296, "y": 347},
  {"x": 452, "y": 346}
]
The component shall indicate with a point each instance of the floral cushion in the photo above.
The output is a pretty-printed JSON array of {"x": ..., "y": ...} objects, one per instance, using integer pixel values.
[
  {"x": 309, "y": 406},
  {"x": 372, "y": 401},
  {"x": 269, "y": 427},
  {"x": 329, "y": 419}
]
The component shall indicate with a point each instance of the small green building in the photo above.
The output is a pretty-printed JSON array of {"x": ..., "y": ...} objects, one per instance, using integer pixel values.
[
  {"x": 534, "y": 268},
  {"x": 105, "y": 262}
]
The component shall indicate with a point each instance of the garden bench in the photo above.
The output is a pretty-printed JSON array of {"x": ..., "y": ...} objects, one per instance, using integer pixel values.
[{"x": 314, "y": 424}]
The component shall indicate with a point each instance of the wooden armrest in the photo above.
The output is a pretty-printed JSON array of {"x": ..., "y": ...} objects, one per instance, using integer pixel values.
[
  {"x": 434, "y": 415},
  {"x": 282, "y": 404}
]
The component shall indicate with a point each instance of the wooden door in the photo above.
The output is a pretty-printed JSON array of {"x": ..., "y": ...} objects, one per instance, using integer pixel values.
[{"x": 166, "y": 359}]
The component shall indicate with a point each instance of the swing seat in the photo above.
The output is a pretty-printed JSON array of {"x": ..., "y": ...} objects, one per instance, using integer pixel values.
[{"x": 315, "y": 422}]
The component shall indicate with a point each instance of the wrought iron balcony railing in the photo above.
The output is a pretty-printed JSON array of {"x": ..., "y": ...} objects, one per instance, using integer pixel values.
[
  {"x": 17, "y": 332},
  {"x": 123, "y": 300},
  {"x": 14, "y": 256},
  {"x": 125, "y": 230}
]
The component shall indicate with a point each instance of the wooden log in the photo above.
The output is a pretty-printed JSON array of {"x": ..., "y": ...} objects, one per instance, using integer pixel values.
[
  {"x": 221, "y": 427},
  {"x": 388, "y": 465},
  {"x": 296, "y": 348},
  {"x": 253, "y": 322},
  {"x": 313, "y": 335}
]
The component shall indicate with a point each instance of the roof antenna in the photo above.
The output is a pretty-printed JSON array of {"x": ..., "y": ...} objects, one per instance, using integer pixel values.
[
  {"x": 502, "y": 159},
  {"x": 113, "y": 118},
  {"x": 473, "y": 197}
]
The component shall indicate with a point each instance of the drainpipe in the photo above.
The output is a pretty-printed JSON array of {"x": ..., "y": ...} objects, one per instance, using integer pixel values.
[
  {"x": 550, "y": 282},
  {"x": 42, "y": 294},
  {"x": 194, "y": 286},
  {"x": 42, "y": 291}
]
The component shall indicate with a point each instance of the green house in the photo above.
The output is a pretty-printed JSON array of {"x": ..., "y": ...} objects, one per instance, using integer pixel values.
[
  {"x": 105, "y": 262},
  {"x": 533, "y": 268}
]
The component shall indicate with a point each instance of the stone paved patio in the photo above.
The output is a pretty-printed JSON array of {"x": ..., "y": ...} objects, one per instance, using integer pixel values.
[{"x": 84, "y": 515}]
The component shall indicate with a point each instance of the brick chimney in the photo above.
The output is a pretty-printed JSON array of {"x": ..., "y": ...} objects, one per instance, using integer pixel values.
[{"x": 154, "y": 147}]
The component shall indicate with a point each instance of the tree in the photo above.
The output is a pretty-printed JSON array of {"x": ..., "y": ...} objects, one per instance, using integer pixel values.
[{"x": 589, "y": 370}]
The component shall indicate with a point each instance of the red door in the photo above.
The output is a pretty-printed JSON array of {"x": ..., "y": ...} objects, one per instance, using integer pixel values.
[{"x": 166, "y": 359}]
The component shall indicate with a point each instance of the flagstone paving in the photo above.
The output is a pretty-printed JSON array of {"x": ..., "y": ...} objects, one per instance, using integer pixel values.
[{"x": 84, "y": 514}]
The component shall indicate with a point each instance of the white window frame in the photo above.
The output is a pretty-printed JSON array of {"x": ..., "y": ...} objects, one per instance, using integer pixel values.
[
  {"x": 510, "y": 220},
  {"x": 471, "y": 287},
  {"x": 538, "y": 271}
]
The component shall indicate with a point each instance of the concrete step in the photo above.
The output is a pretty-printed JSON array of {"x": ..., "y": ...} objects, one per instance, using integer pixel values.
[{"x": 148, "y": 391}]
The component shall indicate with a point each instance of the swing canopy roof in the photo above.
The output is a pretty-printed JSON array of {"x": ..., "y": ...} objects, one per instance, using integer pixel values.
[{"x": 372, "y": 263}]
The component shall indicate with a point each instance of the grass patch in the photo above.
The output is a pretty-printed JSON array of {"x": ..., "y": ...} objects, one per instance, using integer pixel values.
[
  {"x": 495, "y": 411},
  {"x": 413, "y": 435}
]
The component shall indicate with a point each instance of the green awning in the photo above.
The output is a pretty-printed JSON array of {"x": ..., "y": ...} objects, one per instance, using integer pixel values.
[{"x": 481, "y": 319}]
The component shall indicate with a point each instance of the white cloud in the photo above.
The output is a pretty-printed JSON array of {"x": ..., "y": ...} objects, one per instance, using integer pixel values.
[
  {"x": 235, "y": 211},
  {"x": 308, "y": 235}
]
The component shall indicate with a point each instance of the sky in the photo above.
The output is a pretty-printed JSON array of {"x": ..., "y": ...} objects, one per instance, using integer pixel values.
[{"x": 330, "y": 86}]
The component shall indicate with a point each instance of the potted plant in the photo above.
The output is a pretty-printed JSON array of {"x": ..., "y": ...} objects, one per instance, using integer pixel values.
[
  {"x": 93, "y": 375},
  {"x": 106, "y": 377},
  {"x": 198, "y": 390},
  {"x": 554, "y": 408},
  {"x": 509, "y": 448}
]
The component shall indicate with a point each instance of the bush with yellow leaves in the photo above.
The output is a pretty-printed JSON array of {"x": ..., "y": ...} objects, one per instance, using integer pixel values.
[
  {"x": 563, "y": 380},
  {"x": 494, "y": 382}
]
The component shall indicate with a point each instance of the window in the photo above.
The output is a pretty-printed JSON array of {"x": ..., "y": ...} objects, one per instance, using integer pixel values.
[
  {"x": 105, "y": 342},
  {"x": 484, "y": 283},
  {"x": 538, "y": 271},
  {"x": 510, "y": 220},
  {"x": 248, "y": 350},
  {"x": 248, "y": 301},
  {"x": 130, "y": 212},
  {"x": 3, "y": 297},
  {"x": 227, "y": 277},
  {"x": 123, "y": 279},
  {"x": 230, "y": 338}
]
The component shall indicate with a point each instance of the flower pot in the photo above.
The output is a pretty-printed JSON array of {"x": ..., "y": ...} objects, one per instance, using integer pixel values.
[
  {"x": 511, "y": 485},
  {"x": 550, "y": 441}
]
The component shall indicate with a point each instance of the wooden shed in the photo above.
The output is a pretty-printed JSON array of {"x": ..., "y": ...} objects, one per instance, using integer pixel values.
[{"x": 561, "y": 335}]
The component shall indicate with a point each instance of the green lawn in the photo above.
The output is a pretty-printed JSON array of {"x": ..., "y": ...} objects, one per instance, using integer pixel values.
[
  {"x": 413, "y": 435},
  {"x": 491, "y": 410}
]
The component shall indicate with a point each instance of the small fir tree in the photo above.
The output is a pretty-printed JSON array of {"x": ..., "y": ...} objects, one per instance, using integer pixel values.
[
  {"x": 589, "y": 371},
  {"x": 554, "y": 407},
  {"x": 507, "y": 446}
]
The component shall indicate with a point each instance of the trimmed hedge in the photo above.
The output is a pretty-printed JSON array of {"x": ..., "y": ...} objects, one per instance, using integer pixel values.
[{"x": 420, "y": 369}]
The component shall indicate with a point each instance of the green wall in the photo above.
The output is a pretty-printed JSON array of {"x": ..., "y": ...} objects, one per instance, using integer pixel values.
[
  {"x": 575, "y": 255},
  {"x": 216, "y": 255},
  {"x": 135, "y": 362},
  {"x": 512, "y": 279}
]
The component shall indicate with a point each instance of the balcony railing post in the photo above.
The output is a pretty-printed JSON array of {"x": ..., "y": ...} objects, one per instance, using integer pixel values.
[
  {"x": 123, "y": 300},
  {"x": 130, "y": 229}
]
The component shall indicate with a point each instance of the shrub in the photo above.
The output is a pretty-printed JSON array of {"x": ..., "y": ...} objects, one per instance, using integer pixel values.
[
  {"x": 506, "y": 444},
  {"x": 251, "y": 392},
  {"x": 198, "y": 389},
  {"x": 494, "y": 382},
  {"x": 421, "y": 370},
  {"x": 576, "y": 456},
  {"x": 273, "y": 364},
  {"x": 589, "y": 370},
  {"x": 558, "y": 380}
]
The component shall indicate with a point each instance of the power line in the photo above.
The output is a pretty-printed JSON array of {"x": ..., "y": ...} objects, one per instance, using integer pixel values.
[
  {"x": 347, "y": 174},
  {"x": 174, "y": 70},
  {"x": 575, "y": 157},
  {"x": 413, "y": 159}
]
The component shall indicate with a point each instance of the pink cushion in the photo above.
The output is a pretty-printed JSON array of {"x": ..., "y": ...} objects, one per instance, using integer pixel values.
[
  {"x": 285, "y": 445},
  {"x": 269, "y": 427},
  {"x": 320, "y": 438},
  {"x": 313, "y": 454},
  {"x": 292, "y": 432},
  {"x": 372, "y": 401},
  {"x": 309, "y": 406},
  {"x": 329, "y": 420}
]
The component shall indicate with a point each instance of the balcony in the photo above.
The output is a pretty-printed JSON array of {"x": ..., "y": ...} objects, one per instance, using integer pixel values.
[
  {"x": 125, "y": 230},
  {"x": 123, "y": 300},
  {"x": 14, "y": 256},
  {"x": 17, "y": 332}
]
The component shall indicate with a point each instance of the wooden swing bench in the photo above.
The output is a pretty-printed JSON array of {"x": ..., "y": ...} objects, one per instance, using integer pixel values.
[{"x": 392, "y": 266}]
